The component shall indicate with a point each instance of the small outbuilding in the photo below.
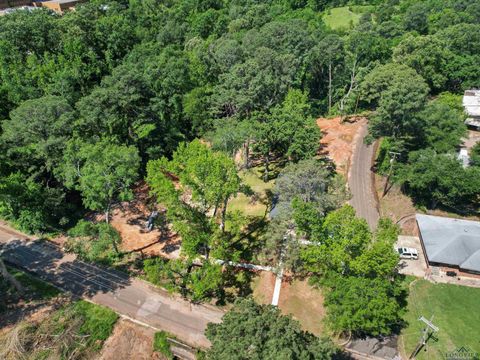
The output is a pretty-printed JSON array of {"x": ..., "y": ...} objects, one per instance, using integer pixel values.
[
  {"x": 451, "y": 243},
  {"x": 471, "y": 104}
]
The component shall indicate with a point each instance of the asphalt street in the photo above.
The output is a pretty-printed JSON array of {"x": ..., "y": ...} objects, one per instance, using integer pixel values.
[
  {"x": 360, "y": 181},
  {"x": 128, "y": 296}
]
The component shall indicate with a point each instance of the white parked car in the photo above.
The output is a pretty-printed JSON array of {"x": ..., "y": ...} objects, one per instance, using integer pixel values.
[{"x": 408, "y": 253}]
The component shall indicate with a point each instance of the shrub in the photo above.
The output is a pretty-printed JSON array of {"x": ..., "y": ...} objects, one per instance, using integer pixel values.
[
  {"x": 154, "y": 270},
  {"x": 94, "y": 242},
  {"x": 98, "y": 321},
  {"x": 161, "y": 344}
]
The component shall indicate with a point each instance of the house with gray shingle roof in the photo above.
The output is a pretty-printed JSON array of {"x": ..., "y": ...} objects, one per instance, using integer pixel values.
[{"x": 450, "y": 242}]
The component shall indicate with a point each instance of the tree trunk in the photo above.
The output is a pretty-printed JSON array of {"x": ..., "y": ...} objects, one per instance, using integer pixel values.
[
  {"x": 7, "y": 276},
  {"x": 329, "y": 87},
  {"x": 246, "y": 147},
  {"x": 107, "y": 214},
  {"x": 265, "y": 173},
  {"x": 115, "y": 247},
  {"x": 224, "y": 215}
]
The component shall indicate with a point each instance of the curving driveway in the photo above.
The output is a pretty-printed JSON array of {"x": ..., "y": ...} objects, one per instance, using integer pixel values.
[{"x": 361, "y": 180}]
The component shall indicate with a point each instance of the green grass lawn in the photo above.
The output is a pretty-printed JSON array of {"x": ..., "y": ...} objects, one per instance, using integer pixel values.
[
  {"x": 342, "y": 17},
  {"x": 257, "y": 204},
  {"x": 456, "y": 313}
]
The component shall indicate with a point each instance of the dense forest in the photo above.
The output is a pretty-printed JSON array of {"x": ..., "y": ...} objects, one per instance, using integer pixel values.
[
  {"x": 127, "y": 81},
  {"x": 171, "y": 92}
]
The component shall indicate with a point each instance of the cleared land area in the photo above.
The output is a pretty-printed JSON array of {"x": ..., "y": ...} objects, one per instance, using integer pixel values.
[
  {"x": 343, "y": 17},
  {"x": 455, "y": 311},
  {"x": 304, "y": 303},
  {"x": 338, "y": 140},
  {"x": 255, "y": 205}
]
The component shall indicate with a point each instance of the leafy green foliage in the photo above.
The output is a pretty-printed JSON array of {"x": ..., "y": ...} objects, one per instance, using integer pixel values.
[
  {"x": 103, "y": 172},
  {"x": 363, "y": 306},
  {"x": 29, "y": 205},
  {"x": 195, "y": 282},
  {"x": 435, "y": 179},
  {"x": 94, "y": 242},
  {"x": 161, "y": 344},
  {"x": 98, "y": 321},
  {"x": 399, "y": 102},
  {"x": 261, "y": 332},
  {"x": 357, "y": 270},
  {"x": 34, "y": 136},
  {"x": 210, "y": 178}
]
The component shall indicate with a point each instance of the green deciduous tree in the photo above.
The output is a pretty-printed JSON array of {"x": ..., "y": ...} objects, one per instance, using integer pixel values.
[
  {"x": 363, "y": 306},
  {"x": 34, "y": 136},
  {"x": 103, "y": 172},
  {"x": 444, "y": 127},
  {"x": 210, "y": 178},
  {"x": 435, "y": 179},
  {"x": 399, "y": 102},
  {"x": 260, "y": 332},
  {"x": 310, "y": 182},
  {"x": 428, "y": 56},
  {"x": 380, "y": 259},
  {"x": 344, "y": 237}
]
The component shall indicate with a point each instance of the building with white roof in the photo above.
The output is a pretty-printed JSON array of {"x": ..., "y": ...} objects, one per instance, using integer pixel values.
[{"x": 471, "y": 103}]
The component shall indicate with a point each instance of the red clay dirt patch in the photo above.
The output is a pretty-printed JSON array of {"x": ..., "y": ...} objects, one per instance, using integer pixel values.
[
  {"x": 339, "y": 139},
  {"x": 129, "y": 341},
  {"x": 130, "y": 218}
]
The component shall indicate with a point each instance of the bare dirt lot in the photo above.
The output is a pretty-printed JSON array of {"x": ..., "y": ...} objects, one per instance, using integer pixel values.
[
  {"x": 129, "y": 341},
  {"x": 130, "y": 218},
  {"x": 339, "y": 139}
]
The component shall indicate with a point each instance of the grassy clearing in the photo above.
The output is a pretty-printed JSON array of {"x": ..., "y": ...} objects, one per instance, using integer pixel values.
[
  {"x": 305, "y": 304},
  {"x": 455, "y": 311},
  {"x": 75, "y": 331},
  {"x": 262, "y": 287},
  {"x": 343, "y": 17},
  {"x": 255, "y": 205}
]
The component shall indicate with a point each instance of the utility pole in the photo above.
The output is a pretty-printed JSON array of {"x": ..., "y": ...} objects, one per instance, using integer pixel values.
[
  {"x": 392, "y": 160},
  {"x": 427, "y": 332}
]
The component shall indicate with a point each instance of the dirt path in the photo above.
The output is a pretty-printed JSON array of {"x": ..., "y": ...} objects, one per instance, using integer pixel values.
[
  {"x": 7, "y": 233},
  {"x": 361, "y": 180}
]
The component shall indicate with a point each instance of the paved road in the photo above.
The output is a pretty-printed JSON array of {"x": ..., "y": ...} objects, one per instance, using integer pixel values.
[
  {"x": 128, "y": 296},
  {"x": 360, "y": 181}
]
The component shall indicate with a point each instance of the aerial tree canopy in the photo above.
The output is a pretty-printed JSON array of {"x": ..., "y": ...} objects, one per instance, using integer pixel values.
[{"x": 256, "y": 331}]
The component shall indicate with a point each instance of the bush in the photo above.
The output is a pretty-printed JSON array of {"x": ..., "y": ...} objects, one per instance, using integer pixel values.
[
  {"x": 154, "y": 270},
  {"x": 94, "y": 242},
  {"x": 98, "y": 321},
  {"x": 30, "y": 206},
  {"x": 161, "y": 344}
]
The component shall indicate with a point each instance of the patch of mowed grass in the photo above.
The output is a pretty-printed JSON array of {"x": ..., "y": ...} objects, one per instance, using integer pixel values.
[
  {"x": 342, "y": 17},
  {"x": 455, "y": 311},
  {"x": 256, "y": 204},
  {"x": 40, "y": 288}
]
